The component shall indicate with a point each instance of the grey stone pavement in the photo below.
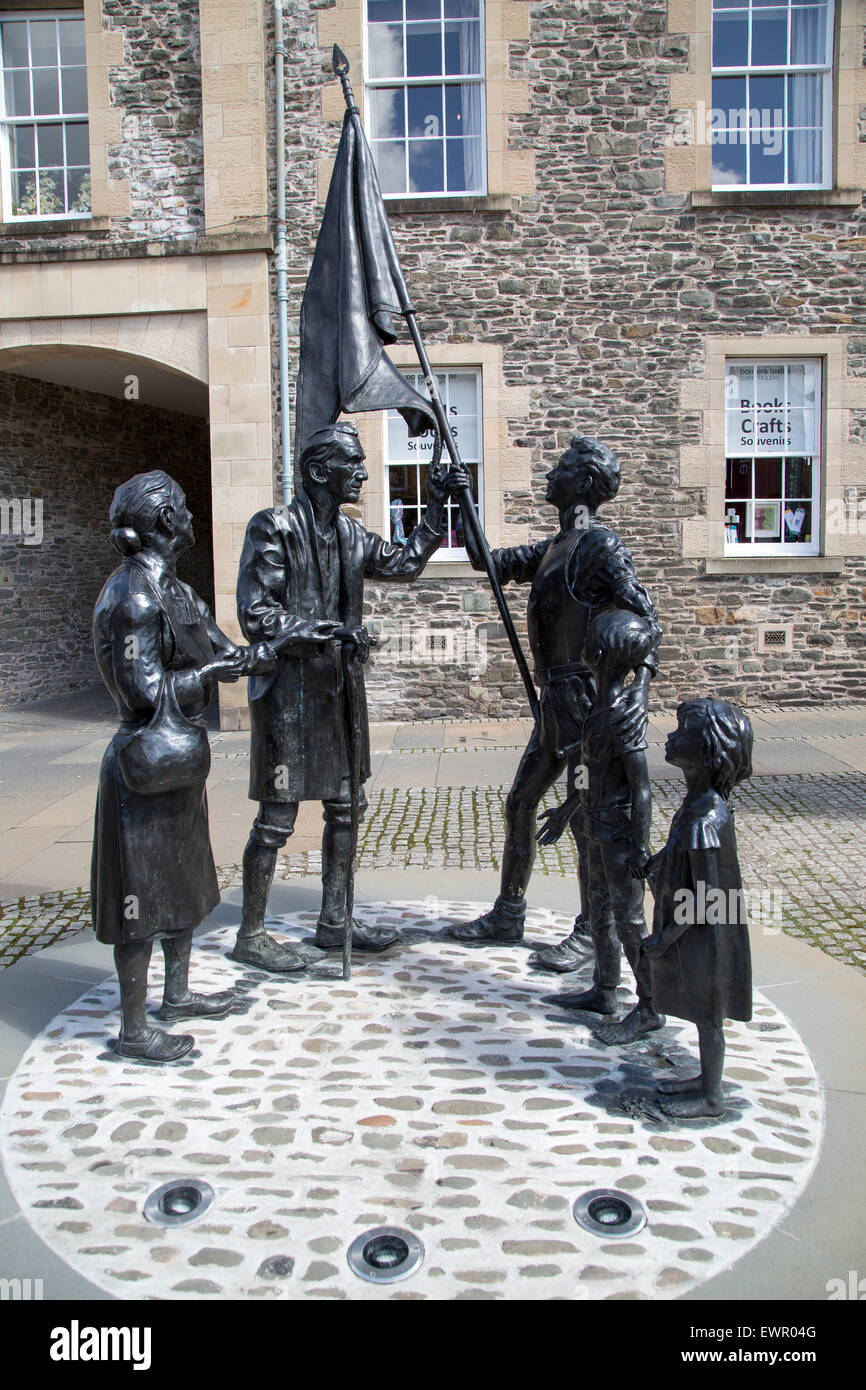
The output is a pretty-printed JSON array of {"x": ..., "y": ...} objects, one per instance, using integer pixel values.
[
  {"x": 433, "y": 832},
  {"x": 436, "y": 802}
]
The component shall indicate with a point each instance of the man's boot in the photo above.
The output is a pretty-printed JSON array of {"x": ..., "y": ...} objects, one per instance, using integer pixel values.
[
  {"x": 336, "y": 849},
  {"x": 502, "y": 924},
  {"x": 568, "y": 954},
  {"x": 601, "y": 997},
  {"x": 253, "y": 945}
]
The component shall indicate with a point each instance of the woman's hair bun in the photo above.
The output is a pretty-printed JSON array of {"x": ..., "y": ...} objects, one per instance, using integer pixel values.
[{"x": 126, "y": 540}]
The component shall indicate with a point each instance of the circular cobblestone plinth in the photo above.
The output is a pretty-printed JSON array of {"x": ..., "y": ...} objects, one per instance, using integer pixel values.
[{"x": 436, "y": 1091}]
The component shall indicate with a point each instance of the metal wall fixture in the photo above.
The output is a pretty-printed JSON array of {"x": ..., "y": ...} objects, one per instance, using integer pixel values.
[
  {"x": 178, "y": 1202},
  {"x": 385, "y": 1254},
  {"x": 604, "y": 1211}
]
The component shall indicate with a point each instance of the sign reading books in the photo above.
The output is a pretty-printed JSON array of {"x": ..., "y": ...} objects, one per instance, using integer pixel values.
[{"x": 771, "y": 408}]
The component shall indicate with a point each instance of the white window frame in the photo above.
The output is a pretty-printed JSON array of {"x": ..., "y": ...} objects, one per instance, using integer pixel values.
[
  {"x": 743, "y": 549},
  {"x": 824, "y": 69},
  {"x": 446, "y": 554},
  {"x": 370, "y": 84},
  {"x": 8, "y": 122}
]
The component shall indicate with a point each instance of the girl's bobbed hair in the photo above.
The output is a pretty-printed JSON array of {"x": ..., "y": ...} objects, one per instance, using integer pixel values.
[
  {"x": 136, "y": 506},
  {"x": 728, "y": 740}
]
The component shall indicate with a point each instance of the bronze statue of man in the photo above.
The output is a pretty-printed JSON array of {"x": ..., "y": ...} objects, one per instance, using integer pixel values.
[
  {"x": 575, "y": 574},
  {"x": 301, "y": 580}
]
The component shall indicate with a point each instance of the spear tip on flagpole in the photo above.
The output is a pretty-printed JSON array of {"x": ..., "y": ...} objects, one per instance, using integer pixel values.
[{"x": 339, "y": 61}]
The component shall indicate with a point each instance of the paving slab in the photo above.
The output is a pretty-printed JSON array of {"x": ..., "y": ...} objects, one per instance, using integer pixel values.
[{"x": 814, "y": 1241}]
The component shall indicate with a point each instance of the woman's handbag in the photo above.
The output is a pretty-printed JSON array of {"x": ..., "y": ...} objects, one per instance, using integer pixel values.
[{"x": 170, "y": 752}]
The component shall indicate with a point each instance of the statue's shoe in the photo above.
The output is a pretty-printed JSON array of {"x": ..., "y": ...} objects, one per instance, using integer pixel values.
[
  {"x": 265, "y": 953},
  {"x": 155, "y": 1046},
  {"x": 198, "y": 1006},
  {"x": 364, "y": 938},
  {"x": 496, "y": 927},
  {"x": 566, "y": 955}
]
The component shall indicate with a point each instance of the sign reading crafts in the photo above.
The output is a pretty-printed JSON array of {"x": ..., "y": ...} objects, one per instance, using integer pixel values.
[
  {"x": 771, "y": 407},
  {"x": 773, "y": 462}
]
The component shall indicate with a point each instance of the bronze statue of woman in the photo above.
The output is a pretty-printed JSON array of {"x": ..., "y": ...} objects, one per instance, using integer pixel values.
[{"x": 160, "y": 654}]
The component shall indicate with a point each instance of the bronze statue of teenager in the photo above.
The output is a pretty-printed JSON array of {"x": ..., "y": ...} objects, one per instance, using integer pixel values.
[
  {"x": 301, "y": 581},
  {"x": 613, "y": 808},
  {"x": 575, "y": 574},
  {"x": 160, "y": 654}
]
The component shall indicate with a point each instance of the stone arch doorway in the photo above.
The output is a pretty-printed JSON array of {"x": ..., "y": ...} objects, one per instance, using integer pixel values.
[{"x": 85, "y": 404}]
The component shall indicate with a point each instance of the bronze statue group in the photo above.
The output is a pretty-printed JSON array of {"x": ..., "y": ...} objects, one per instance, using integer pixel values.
[{"x": 594, "y": 641}]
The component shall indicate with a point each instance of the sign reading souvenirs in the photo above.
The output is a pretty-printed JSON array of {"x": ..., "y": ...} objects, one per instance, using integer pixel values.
[{"x": 771, "y": 408}]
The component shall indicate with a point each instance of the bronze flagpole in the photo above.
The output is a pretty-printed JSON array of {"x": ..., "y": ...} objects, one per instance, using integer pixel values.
[{"x": 341, "y": 69}]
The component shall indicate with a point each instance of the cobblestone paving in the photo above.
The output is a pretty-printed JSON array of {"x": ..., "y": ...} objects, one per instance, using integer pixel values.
[
  {"x": 802, "y": 842},
  {"x": 436, "y": 1091}
]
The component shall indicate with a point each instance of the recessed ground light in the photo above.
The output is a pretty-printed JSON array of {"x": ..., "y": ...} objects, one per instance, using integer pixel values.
[
  {"x": 385, "y": 1254},
  {"x": 606, "y": 1212},
  {"x": 178, "y": 1201}
]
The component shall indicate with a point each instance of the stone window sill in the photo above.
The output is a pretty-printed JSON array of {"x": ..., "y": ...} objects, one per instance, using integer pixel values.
[
  {"x": 777, "y": 198},
  {"x": 472, "y": 202},
  {"x": 777, "y": 564},
  {"x": 448, "y": 569},
  {"x": 54, "y": 226}
]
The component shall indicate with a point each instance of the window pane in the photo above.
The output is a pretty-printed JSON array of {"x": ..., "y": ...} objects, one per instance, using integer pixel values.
[
  {"x": 463, "y": 108},
  {"x": 73, "y": 83},
  {"x": 423, "y": 9},
  {"x": 18, "y": 93},
  {"x": 463, "y": 159},
  {"x": 387, "y": 117},
  {"x": 735, "y": 523},
  {"x": 769, "y": 37},
  {"x": 43, "y": 43},
  {"x": 463, "y": 48},
  {"x": 805, "y": 156},
  {"x": 766, "y": 521},
  {"x": 390, "y": 156},
  {"x": 738, "y": 480},
  {"x": 78, "y": 190},
  {"x": 426, "y": 166},
  {"x": 730, "y": 40},
  {"x": 72, "y": 41},
  {"x": 798, "y": 477},
  {"x": 24, "y": 147},
  {"x": 768, "y": 477},
  {"x": 77, "y": 144},
  {"x": 15, "y": 45},
  {"x": 767, "y": 96},
  {"x": 424, "y": 106},
  {"x": 384, "y": 9},
  {"x": 466, "y": 433},
  {"x": 768, "y": 157},
  {"x": 461, "y": 9},
  {"x": 424, "y": 50},
  {"x": 24, "y": 194},
  {"x": 50, "y": 145},
  {"x": 805, "y": 99},
  {"x": 398, "y": 439},
  {"x": 386, "y": 50},
  {"x": 45, "y": 93},
  {"x": 797, "y": 520},
  {"x": 729, "y": 162},
  {"x": 809, "y": 34},
  {"x": 729, "y": 95},
  {"x": 51, "y": 191},
  {"x": 463, "y": 394}
]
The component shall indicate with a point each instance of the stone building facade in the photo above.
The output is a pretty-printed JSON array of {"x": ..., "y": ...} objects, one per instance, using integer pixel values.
[{"x": 598, "y": 282}]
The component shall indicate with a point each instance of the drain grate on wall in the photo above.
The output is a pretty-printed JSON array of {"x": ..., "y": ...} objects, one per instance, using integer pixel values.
[{"x": 776, "y": 637}]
